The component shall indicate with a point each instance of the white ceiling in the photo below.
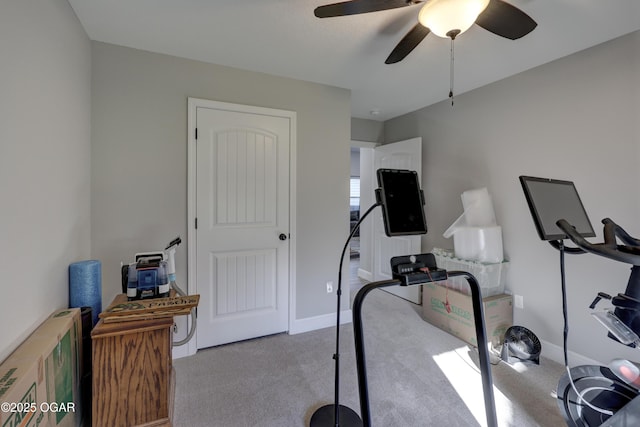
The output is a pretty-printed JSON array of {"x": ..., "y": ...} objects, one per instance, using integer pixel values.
[{"x": 284, "y": 38}]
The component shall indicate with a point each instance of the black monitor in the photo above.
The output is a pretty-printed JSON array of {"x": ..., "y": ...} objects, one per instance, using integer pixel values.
[
  {"x": 551, "y": 200},
  {"x": 402, "y": 202}
]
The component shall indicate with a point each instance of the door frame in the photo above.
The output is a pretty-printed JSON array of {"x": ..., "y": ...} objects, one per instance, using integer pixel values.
[
  {"x": 193, "y": 105},
  {"x": 413, "y": 293},
  {"x": 367, "y": 256},
  {"x": 367, "y": 199}
]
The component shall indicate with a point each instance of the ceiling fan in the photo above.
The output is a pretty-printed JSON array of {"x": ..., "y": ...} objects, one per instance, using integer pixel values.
[{"x": 444, "y": 18}]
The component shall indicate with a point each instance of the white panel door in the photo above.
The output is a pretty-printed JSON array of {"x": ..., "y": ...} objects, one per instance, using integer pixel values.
[
  {"x": 398, "y": 155},
  {"x": 242, "y": 190}
]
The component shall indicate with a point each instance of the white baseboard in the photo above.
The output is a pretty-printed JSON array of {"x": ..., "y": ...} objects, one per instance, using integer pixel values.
[
  {"x": 299, "y": 326},
  {"x": 182, "y": 351},
  {"x": 365, "y": 275},
  {"x": 556, "y": 353},
  {"x": 319, "y": 322}
]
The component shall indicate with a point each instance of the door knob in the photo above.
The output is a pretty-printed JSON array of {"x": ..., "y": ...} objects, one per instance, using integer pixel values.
[{"x": 282, "y": 236}]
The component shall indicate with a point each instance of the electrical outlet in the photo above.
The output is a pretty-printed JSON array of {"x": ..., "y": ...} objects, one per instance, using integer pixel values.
[
  {"x": 329, "y": 286},
  {"x": 175, "y": 328},
  {"x": 519, "y": 301}
]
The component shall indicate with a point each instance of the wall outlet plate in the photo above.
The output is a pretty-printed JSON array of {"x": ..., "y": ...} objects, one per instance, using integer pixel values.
[{"x": 518, "y": 301}]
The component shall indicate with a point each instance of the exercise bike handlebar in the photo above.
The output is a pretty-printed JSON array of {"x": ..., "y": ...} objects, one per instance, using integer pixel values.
[
  {"x": 629, "y": 253},
  {"x": 622, "y": 234}
]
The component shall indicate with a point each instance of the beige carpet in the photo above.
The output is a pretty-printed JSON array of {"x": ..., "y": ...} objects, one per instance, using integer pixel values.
[{"x": 418, "y": 376}]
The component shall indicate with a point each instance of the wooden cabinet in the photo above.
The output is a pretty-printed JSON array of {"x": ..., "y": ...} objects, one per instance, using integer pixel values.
[{"x": 133, "y": 377}]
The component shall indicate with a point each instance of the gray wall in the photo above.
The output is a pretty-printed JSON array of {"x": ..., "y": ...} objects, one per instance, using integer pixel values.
[
  {"x": 367, "y": 130},
  {"x": 139, "y": 161},
  {"x": 576, "y": 118},
  {"x": 355, "y": 162},
  {"x": 44, "y": 160}
]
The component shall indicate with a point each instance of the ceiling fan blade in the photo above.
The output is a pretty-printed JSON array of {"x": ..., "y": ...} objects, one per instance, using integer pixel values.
[
  {"x": 408, "y": 43},
  {"x": 506, "y": 20},
  {"x": 355, "y": 7}
]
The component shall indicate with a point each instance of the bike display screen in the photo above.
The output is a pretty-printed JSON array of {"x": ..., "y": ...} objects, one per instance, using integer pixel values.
[{"x": 551, "y": 200}]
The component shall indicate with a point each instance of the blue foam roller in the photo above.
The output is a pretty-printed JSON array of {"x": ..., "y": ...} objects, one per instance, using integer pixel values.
[{"x": 85, "y": 286}]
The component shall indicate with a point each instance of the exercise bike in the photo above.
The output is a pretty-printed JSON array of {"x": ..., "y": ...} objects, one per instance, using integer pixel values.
[{"x": 592, "y": 395}]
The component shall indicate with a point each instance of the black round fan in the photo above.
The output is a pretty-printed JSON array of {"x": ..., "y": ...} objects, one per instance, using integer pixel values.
[
  {"x": 498, "y": 17},
  {"x": 521, "y": 345}
]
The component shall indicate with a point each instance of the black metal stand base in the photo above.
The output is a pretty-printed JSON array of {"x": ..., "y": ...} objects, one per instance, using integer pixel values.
[{"x": 324, "y": 417}]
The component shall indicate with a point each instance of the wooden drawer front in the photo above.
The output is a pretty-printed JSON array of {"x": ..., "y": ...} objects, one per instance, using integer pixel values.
[{"x": 131, "y": 377}]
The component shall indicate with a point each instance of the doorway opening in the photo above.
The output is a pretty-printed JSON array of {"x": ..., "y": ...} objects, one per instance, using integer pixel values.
[
  {"x": 375, "y": 248},
  {"x": 354, "y": 203},
  {"x": 362, "y": 196},
  {"x": 355, "y": 282}
]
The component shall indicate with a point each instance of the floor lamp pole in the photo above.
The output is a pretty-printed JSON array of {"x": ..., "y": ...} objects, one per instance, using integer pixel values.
[{"x": 337, "y": 415}]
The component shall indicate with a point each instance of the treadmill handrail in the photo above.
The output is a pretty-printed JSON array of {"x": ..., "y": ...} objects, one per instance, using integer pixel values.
[{"x": 628, "y": 253}]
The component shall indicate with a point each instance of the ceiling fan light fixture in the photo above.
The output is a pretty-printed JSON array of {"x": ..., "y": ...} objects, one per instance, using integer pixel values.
[{"x": 444, "y": 16}]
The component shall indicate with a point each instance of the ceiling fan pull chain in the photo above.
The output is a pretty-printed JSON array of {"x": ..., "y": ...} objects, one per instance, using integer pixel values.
[{"x": 451, "y": 72}]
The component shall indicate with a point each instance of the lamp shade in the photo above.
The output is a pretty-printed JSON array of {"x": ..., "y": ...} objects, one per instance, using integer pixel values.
[{"x": 443, "y": 16}]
